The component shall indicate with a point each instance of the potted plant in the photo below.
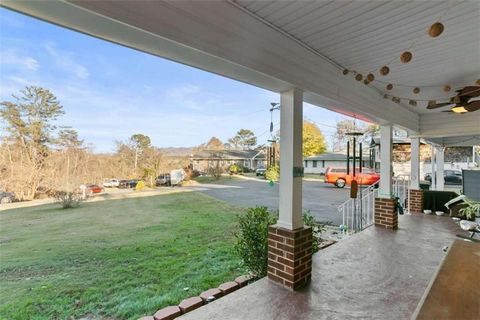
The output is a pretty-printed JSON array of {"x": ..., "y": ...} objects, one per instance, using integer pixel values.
[{"x": 471, "y": 211}]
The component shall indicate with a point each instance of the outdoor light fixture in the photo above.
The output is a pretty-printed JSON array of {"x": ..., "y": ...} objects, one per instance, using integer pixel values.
[{"x": 459, "y": 109}]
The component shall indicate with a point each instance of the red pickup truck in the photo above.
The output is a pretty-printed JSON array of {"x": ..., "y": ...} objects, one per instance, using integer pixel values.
[{"x": 340, "y": 178}]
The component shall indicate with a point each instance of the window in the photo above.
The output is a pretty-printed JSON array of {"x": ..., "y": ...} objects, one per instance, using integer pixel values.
[
  {"x": 306, "y": 164},
  {"x": 314, "y": 163},
  {"x": 323, "y": 163}
]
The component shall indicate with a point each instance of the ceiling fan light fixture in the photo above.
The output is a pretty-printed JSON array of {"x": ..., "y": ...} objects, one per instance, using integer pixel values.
[
  {"x": 435, "y": 29},
  {"x": 459, "y": 109}
]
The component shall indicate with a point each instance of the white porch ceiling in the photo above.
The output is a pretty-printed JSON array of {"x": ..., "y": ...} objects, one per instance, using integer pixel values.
[
  {"x": 365, "y": 35},
  {"x": 280, "y": 44}
]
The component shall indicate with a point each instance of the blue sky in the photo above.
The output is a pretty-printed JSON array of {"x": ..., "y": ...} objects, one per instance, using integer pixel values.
[{"x": 110, "y": 92}]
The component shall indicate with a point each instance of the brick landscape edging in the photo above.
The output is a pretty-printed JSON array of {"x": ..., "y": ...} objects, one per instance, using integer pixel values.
[{"x": 192, "y": 303}]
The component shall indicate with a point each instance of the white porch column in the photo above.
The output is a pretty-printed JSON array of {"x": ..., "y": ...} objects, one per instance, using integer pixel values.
[
  {"x": 415, "y": 163},
  {"x": 439, "y": 164},
  {"x": 385, "y": 189},
  {"x": 433, "y": 184},
  {"x": 291, "y": 123}
]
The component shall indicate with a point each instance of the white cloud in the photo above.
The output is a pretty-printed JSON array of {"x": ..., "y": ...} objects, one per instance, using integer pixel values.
[
  {"x": 19, "y": 60},
  {"x": 66, "y": 61},
  {"x": 184, "y": 96}
]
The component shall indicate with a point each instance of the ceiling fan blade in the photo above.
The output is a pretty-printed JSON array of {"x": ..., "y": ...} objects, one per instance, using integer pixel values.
[
  {"x": 439, "y": 105},
  {"x": 473, "y": 106},
  {"x": 470, "y": 91}
]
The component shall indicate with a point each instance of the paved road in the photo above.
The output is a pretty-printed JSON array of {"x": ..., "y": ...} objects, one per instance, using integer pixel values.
[{"x": 320, "y": 198}]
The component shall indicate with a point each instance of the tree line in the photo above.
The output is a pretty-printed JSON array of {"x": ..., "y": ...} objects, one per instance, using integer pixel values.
[{"x": 38, "y": 157}]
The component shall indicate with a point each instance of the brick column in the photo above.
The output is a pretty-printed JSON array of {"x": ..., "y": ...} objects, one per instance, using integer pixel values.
[
  {"x": 290, "y": 256},
  {"x": 416, "y": 201},
  {"x": 385, "y": 214}
]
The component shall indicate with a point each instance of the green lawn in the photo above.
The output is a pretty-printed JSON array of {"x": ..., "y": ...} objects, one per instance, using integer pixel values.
[{"x": 117, "y": 259}]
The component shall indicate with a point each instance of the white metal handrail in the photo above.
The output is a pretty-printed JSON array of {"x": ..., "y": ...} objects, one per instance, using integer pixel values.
[
  {"x": 400, "y": 189},
  {"x": 359, "y": 213}
]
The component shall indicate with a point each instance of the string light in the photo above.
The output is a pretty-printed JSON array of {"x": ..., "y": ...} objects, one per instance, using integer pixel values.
[
  {"x": 435, "y": 29},
  {"x": 384, "y": 70},
  {"x": 406, "y": 57}
]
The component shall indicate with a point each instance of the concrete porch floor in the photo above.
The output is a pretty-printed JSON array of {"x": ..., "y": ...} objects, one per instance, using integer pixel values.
[{"x": 376, "y": 274}]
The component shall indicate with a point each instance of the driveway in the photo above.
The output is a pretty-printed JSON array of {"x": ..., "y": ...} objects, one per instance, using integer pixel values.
[{"x": 320, "y": 198}]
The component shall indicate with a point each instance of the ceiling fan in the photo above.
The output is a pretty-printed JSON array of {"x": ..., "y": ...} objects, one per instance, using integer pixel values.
[{"x": 461, "y": 102}]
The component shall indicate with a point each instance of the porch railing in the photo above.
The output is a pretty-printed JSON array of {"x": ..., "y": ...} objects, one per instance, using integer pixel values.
[
  {"x": 400, "y": 189},
  {"x": 359, "y": 213}
]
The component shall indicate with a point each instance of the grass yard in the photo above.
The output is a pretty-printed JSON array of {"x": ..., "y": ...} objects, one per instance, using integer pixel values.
[{"x": 117, "y": 259}]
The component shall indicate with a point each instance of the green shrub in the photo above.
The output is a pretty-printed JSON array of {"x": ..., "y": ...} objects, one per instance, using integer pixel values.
[
  {"x": 273, "y": 173},
  {"x": 252, "y": 239},
  {"x": 317, "y": 229},
  {"x": 140, "y": 185},
  {"x": 234, "y": 168},
  {"x": 67, "y": 199}
]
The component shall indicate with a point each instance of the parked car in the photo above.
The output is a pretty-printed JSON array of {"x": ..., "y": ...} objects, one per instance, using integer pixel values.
[
  {"x": 132, "y": 183},
  {"x": 111, "y": 183},
  {"x": 7, "y": 197},
  {"x": 340, "y": 178},
  {"x": 449, "y": 176},
  {"x": 93, "y": 188},
  {"x": 260, "y": 171},
  {"x": 163, "y": 180}
]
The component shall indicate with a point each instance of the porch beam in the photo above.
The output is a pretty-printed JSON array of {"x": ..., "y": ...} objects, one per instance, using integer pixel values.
[
  {"x": 385, "y": 189},
  {"x": 291, "y": 123}
]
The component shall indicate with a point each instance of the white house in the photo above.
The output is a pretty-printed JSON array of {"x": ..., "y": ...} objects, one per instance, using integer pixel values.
[{"x": 319, "y": 163}]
